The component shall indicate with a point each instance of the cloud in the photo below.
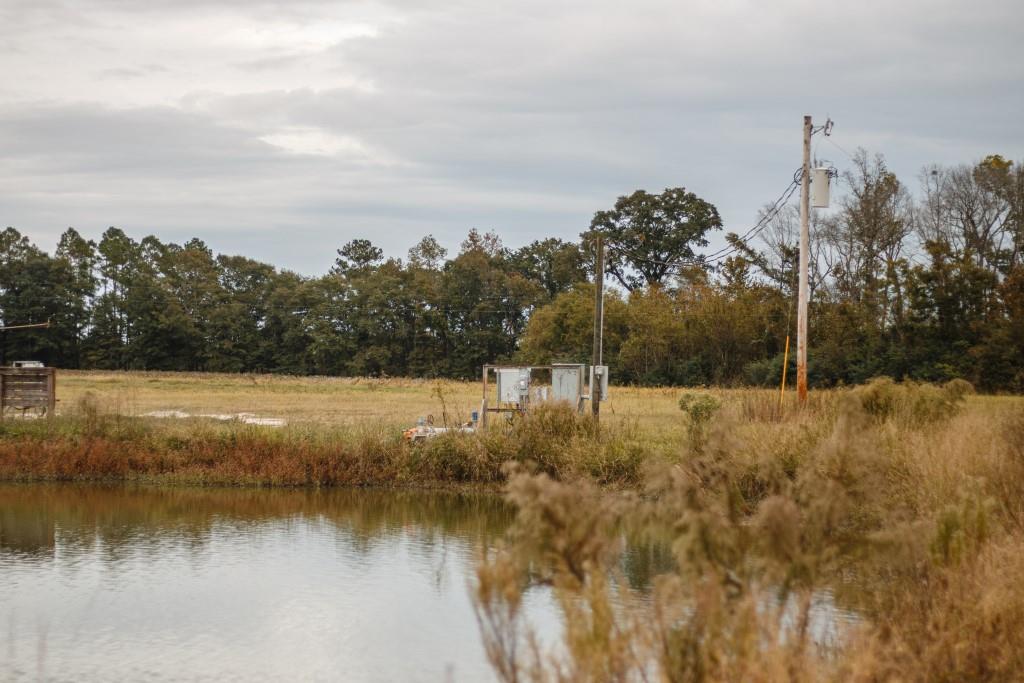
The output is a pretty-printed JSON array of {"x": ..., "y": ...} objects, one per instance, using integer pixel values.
[{"x": 265, "y": 121}]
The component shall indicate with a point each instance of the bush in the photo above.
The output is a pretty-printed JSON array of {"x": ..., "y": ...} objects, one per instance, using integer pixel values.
[
  {"x": 551, "y": 439},
  {"x": 909, "y": 403},
  {"x": 700, "y": 408},
  {"x": 958, "y": 389},
  {"x": 767, "y": 372}
]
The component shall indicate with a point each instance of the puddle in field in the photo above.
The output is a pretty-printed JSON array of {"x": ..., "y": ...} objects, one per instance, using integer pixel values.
[{"x": 244, "y": 418}]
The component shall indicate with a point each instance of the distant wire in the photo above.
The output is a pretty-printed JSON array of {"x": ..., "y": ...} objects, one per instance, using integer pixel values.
[
  {"x": 776, "y": 207},
  {"x": 734, "y": 246},
  {"x": 837, "y": 146}
]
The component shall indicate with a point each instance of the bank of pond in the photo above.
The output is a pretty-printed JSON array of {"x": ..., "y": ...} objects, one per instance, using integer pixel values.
[{"x": 877, "y": 534}]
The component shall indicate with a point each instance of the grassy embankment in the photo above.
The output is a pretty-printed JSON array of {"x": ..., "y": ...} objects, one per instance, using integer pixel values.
[
  {"x": 348, "y": 432},
  {"x": 339, "y": 432},
  {"x": 904, "y": 504}
]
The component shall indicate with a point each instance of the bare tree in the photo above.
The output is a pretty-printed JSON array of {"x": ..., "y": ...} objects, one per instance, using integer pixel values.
[
  {"x": 866, "y": 239},
  {"x": 978, "y": 210}
]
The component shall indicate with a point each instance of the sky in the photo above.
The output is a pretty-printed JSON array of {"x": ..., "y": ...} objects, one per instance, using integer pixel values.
[{"x": 282, "y": 130}]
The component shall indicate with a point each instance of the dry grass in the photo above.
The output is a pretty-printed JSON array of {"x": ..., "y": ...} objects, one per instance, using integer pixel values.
[
  {"x": 346, "y": 431},
  {"x": 901, "y": 501},
  {"x": 89, "y": 444},
  {"x": 396, "y": 402},
  {"x": 386, "y": 403},
  {"x": 315, "y": 400}
]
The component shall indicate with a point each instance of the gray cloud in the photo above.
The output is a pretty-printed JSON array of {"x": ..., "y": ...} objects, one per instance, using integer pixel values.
[{"x": 281, "y": 130}]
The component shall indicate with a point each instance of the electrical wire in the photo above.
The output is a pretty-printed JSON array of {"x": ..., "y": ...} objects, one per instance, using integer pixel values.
[
  {"x": 758, "y": 227},
  {"x": 837, "y": 146},
  {"x": 733, "y": 247}
]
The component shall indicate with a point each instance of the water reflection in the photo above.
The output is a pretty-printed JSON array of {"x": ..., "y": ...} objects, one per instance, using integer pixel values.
[
  {"x": 138, "y": 583},
  {"x": 134, "y": 583}
]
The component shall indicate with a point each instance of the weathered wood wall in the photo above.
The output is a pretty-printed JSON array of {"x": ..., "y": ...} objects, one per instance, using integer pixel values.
[{"x": 28, "y": 388}]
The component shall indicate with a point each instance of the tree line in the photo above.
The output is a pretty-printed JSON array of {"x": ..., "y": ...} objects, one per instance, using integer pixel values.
[{"x": 927, "y": 286}]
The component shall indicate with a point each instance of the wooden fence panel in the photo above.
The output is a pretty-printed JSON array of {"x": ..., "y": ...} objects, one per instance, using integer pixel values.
[{"x": 28, "y": 388}]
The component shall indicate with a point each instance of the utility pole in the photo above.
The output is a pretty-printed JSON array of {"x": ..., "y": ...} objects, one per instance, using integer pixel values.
[
  {"x": 595, "y": 383},
  {"x": 801, "y": 315}
]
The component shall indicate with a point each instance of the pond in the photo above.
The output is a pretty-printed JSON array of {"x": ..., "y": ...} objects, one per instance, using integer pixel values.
[{"x": 145, "y": 583}]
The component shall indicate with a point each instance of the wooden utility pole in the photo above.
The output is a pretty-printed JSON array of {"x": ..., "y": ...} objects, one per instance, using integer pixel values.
[
  {"x": 801, "y": 314},
  {"x": 595, "y": 383}
]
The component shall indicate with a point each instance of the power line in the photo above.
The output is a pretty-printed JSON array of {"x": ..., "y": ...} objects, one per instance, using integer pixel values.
[
  {"x": 759, "y": 226},
  {"x": 733, "y": 247},
  {"x": 837, "y": 146}
]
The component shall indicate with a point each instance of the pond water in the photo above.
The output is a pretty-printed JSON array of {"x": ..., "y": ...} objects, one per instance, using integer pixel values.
[{"x": 143, "y": 583}]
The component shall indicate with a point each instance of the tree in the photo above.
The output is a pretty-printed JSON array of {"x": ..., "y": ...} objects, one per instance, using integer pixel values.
[
  {"x": 36, "y": 288},
  {"x": 647, "y": 235},
  {"x": 554, "y": 264},
  {"x": 488, "y": 243},
  {"x": 428, "y": 254},
  {"x": 358, "y": 254},
  {"x": 976, "y": 209},
  {"x": 79, "y": 258},
  {"x": 562, "y": 331},
  {"x": 237, "y": 325},
  {"x": 486, "y": 305}
]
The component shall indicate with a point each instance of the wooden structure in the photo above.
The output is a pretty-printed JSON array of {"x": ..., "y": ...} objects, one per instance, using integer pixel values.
[{"x": 28, "y": 388}]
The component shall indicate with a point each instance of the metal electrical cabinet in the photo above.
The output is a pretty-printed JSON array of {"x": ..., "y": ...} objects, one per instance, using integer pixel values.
[
  {"x": 567, "y": 384},
  {"x": 518, "y": 388},
  {"x": 513, "y": 385}
]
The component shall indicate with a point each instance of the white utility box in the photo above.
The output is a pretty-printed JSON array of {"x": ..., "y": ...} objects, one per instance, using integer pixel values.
[{"x": 599, "y": 378}]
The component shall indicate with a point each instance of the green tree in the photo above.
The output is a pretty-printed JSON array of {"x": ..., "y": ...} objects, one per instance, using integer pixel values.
[
  {"x": 562, "y": 330},
  {"x": 357, "y": 255},
  {"x": 646, "y": 235},
  {"x": 36, "y": 288},
  {"x": 554, "y": 264},
  {"x": 486, "y": 305}
]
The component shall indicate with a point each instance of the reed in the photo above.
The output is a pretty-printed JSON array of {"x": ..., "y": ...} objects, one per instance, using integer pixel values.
[
  {"x": 910, "y": 493},
  {"x": 92, "y": 445}
]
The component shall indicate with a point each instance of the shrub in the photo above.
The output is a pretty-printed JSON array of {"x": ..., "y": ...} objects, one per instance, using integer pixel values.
[
  {"x": 937, "y": 583},
  {"x": 910, "y": 403},
  {"x": 700, "y": 408},
  {"x": 958, "y": 389}
]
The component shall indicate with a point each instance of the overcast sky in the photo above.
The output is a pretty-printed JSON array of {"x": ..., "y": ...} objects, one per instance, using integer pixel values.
[{"x": 281, "y": 130}]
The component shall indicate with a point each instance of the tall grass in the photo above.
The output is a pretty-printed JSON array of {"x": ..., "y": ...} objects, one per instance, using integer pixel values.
[
  {"x": 89, "y": 444},
  {"x": 906, "y": 491}
]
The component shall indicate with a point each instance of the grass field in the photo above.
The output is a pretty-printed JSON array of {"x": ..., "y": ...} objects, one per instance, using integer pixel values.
[
  {"x": 394, "y": 404},
  {"x": 337, "y": 431},
  {"x": 390, "y": 403},
  {"x": 349, "y": 431}
]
